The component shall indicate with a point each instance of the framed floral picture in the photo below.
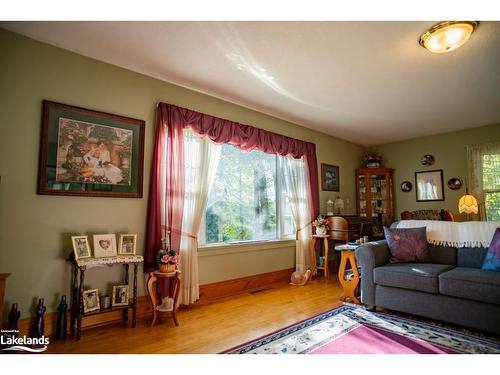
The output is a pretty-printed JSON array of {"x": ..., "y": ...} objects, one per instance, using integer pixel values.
[
  {"x": 90, "y": 153},
  {"x": 330, "y": 178}
]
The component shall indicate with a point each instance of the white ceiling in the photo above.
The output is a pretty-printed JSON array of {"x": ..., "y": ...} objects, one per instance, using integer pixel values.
[{"x": 366, "y": 82}]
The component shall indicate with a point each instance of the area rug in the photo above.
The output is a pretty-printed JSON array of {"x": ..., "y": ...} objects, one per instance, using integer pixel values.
[{"x": 353, "y": 330}]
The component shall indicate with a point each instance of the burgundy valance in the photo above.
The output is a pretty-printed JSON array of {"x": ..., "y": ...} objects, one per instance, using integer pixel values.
[{"x": 242, "y": 136}]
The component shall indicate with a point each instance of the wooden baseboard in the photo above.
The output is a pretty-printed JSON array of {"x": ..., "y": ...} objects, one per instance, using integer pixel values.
[
  {"x": 208, "y": 293},
  {"x": 228, "y": 288}
]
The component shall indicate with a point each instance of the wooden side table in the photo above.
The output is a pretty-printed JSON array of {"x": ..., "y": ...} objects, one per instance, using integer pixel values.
[
  {"x": 312, "y": 255},
  {"x": 349, "y": 285},
  {"x": 78, "y": 281},
  {"x": 155, "y": 298}
]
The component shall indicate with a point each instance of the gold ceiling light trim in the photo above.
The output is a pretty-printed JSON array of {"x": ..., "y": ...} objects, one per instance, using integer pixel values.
[{"x": 447, "y": 36}]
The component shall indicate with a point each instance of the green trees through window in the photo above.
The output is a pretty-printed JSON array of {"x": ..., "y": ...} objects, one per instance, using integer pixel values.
[
  {"x": 245, "y": 199},
  {"x": 491, "y": 186}
]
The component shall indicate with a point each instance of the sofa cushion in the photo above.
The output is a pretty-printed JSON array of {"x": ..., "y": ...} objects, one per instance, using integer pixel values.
[
  {"x": 407, "y": 244},
  {"x": 492, "y": 259},
  {"x": 471, "y": 283},
  {"x": 415, "y": 276},
  {"x": 471, "y": 257},
  {"x": 443, "y": 254}
]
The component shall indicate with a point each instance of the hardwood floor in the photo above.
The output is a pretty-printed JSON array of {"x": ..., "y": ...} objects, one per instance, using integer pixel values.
[{"x": 214, "y": 327}]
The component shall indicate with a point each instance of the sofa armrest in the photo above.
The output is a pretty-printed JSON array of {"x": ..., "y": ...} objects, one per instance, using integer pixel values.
[{"x": 369, "y": 256}]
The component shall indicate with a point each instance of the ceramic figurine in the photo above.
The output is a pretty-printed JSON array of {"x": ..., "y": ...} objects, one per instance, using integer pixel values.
[
  {"x": 39, "y": 322},
  {"x": 14, "y": 316},
  {"x": 61, "y": 319}
]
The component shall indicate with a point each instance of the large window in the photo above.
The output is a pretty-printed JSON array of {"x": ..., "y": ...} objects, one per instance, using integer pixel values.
[
  {"x": 246, "y": 200},
  {"x": 491, "y": 185}
]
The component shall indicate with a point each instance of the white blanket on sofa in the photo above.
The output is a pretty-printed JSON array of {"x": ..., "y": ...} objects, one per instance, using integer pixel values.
[{"x": 456, "y": 234}]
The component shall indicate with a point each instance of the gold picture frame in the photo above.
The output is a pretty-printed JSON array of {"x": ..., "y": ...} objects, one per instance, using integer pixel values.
[
  {"x": 127, "y": 244},
  {"x": 91, "y": 300},
  {"x": 120, "y": 296},
  {"x": 81, "y": 247}
]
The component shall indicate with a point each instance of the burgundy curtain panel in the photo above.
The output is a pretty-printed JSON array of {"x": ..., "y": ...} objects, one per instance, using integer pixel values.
[{"x": 168, "y": 161}]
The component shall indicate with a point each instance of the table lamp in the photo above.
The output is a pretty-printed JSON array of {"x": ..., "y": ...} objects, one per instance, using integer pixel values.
[{"x": 338, "y": 204}]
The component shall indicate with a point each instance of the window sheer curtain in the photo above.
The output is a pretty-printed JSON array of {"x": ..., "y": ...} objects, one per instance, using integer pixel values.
[
  {"x": 294, "y": 174},
  {"x": 475, "y": 171},
  {"x": 201, "y": 157}
]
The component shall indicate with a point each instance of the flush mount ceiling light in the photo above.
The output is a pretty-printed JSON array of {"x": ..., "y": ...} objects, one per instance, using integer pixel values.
[{"x": 447, "y": 36}]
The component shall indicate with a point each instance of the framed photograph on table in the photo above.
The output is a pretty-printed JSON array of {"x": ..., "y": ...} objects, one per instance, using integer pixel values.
[
  {"x": 81, "y": 247},
  {"x": 127, "y": 244},
  {"x": 120, "y": 295},
  {"x": 90, "y": 153},
  {"x": 104, "y": 245},
  {"x": 90, "y": 300},
  {"x": 429, "y": 185},
  {"x": 330, "y": 178}
]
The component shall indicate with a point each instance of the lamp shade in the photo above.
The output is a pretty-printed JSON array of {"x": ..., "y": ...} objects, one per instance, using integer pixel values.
[
  {"x": 339, "y": 203},
  {"x": 468, "y": 204}
]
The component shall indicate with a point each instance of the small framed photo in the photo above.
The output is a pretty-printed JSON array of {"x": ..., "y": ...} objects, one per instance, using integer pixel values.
[
  {"x": 120, "y": 295},
  {"x": 330, "y": 178},
  {"x": 91, "y": 300},
  {"x": 127, "y": 244},
  {"x": 429, "y": 185},
  {"x": 81, "y": 247},
  {"x": 104, "y": 245},
  {"x": 406, "y": 186}
]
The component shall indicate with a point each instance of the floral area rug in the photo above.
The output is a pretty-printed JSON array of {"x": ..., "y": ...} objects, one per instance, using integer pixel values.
[{"x": 353, "y": 330}]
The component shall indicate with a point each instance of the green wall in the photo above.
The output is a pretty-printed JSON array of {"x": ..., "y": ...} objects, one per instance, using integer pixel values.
[
  {"x": 35, "y": 229},
  {"x": 450, "y": 156}
]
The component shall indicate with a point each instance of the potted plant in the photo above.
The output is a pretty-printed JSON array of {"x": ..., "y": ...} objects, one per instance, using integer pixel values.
[
  {"x": 372, "y": 160},
  {"x": 167, "y": 262},
  {"x": 321, "y": 225}
]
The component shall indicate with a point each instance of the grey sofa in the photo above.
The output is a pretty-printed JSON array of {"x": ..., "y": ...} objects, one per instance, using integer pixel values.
[{"x": 451, "y": 288}]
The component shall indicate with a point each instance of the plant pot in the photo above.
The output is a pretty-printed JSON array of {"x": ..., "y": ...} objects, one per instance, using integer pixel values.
[
  {"x": 166, "y": 267},
  {"x": 321, "y": 231}
]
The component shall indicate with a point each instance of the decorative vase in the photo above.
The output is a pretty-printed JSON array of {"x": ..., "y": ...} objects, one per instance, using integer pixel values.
[
  {"x": 321, "y": 231},
  {"x": 166, "y": 267}
]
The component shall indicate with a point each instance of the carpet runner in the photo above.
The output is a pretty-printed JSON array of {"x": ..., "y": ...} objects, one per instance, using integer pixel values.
[{"x": 354, "y": 330}]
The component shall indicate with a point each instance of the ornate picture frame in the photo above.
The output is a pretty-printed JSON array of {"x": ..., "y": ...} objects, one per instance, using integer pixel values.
[
  {"x": 330, "y": 177},
  {"x": 90, "y": 153}
]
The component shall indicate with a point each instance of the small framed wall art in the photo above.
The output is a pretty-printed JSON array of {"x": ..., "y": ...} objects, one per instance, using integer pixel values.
[
  {"x": 104, "y": 245},
  {"x": 330, "y": 177},
  {"x": 406, "y": 186},
  {"x": 90, "y": 153},
  {"x": 127, "y": 244},
  {"x": 429, "y": 185}
]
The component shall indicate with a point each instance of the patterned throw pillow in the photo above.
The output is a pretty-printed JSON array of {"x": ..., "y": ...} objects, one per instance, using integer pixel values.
[
  {"x": 407, "y": 244},
  {"x": 492, "y": 259}
]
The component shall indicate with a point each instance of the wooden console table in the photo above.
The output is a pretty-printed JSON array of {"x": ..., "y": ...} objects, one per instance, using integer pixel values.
[
  {"x": 77, "y": 313},
  {"x": 156, "y": 302},
  {"x": 3, "y": 279}
]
